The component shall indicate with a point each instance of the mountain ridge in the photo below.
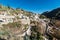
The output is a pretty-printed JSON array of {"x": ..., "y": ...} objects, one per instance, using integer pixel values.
[{"x": 55, "y": 13}]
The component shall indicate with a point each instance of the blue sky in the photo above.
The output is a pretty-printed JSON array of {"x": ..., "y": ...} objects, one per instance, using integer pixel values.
[{"x": 36, "y": 6}]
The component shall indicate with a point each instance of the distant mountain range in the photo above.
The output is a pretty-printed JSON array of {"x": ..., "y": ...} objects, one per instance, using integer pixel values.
[{"x": 55, "y": 13}]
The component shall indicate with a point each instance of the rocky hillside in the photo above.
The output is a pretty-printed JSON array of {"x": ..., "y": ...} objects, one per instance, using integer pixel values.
[{"x": 18, "y": 24}]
